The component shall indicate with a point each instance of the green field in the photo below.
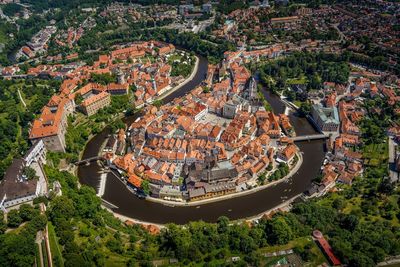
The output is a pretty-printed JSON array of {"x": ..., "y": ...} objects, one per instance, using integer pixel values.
[
  {"x": 376, "y": 154},
  {"x": 299, "y": 80}
]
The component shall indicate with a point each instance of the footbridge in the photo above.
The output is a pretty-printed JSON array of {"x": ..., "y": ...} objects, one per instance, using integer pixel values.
[
  {"x": 309, "y": 137},
  {"x": 88, "y": 160}
]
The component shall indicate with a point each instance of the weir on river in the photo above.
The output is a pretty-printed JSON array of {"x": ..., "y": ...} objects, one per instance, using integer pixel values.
[{"x": 117, "y": 194}]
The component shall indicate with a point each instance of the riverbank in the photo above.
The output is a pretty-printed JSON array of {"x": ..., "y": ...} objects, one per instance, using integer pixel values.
[
  {"x": 186, "y": 81},
  {"x": 124, "y": 218},
  {"x": 233, "y": 195}
]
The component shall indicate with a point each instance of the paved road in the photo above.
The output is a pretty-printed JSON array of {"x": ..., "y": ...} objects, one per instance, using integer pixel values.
[{"x": 394, "y": 175}]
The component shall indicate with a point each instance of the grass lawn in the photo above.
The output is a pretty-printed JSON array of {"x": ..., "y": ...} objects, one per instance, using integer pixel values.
[
  {"x": 174, "y": 57},
  {"x": 299, "y": 80},
  {"x": 299, "y": 242},
  {"x": 54, "y": 246},
  {"x": 376, "y": 154}
]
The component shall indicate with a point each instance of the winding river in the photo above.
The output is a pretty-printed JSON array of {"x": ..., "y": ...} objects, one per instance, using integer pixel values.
[{"x": 241, "y": 207}]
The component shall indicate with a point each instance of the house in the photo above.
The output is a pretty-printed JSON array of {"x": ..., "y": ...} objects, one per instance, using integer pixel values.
[
  {"x": 118, "y": 89},
  {"x": 172, "y": 193},
  {"x": 287, "y": 154},
  {"x": 111, "y": 144}
]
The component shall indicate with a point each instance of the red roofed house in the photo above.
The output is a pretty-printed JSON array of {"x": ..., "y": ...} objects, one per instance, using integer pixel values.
[{"x": 287, "y": 153}]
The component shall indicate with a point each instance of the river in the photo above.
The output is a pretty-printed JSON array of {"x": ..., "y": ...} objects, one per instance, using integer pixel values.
[{"x": 235, "y": 208}]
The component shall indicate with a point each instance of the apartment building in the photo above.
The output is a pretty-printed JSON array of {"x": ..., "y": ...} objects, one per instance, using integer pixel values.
[
  {"x": 327, "y": 119},
  {"x": 94, "y": 103}
]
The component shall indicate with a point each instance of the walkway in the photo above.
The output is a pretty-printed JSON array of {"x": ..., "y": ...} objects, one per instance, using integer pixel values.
[{"x": 20, "y": 97}]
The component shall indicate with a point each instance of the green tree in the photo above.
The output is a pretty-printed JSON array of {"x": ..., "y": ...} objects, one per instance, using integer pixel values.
[
  {"x": 278, "y": 231},
  {"x": 78, "y": 99},
  {"x": 146, "y": 187},
  {"x": 157, "y": 103},
  {"x": 13, "y": 218},
  {"x": 27, "y": 212},
  {"x": 61, "y": 207}
]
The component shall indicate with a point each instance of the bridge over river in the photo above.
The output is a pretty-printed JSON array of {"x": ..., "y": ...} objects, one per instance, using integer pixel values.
[
  {"x": 309, "y": 137},
  {"x": 88, "y": 160}
]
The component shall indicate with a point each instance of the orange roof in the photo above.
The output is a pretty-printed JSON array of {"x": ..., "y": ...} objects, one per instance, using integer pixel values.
[
  {"x": 135, "y": 180},
  {"x": 285, "y": 19},
  {"x": 27, "y": 51},
  {"x": 185, "y": 122},
  {"x": 117, "y": 86},
  {"x": 156, "y": 176},
  {"x": 289, "y": 151},
  {"x": 48, "y": 123},
  {"x": 103, "y": 58}
]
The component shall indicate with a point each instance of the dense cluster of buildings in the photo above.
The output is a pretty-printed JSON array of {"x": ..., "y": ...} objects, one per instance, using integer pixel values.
[
  {"x": 72, "y": 35},
  {"x": 209, "y": 142},
  {"x": 123, "y": 13},
  {"x": 340, "y": 116},
  {"x": 38, "y": 43},
  {"x": 250, "y": 28},
  {"x": 150, "y": 79},
  {"x": 381, "y": 16}
]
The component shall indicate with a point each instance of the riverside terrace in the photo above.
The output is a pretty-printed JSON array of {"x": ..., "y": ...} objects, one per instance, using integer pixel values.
[{"x": 214, "y": 141}]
